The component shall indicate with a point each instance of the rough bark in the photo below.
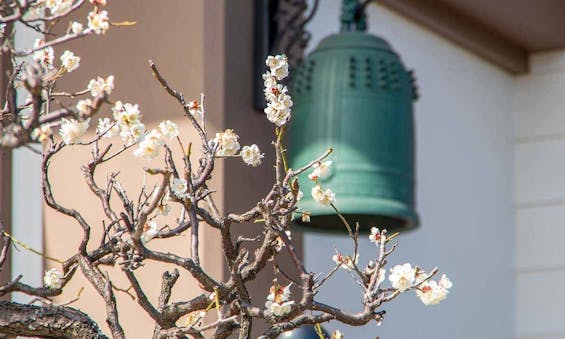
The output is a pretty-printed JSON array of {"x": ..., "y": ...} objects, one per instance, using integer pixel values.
[{"x": 46, "y": 321}]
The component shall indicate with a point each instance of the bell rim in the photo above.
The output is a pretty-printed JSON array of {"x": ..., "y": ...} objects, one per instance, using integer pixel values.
[
  {"x": 360, "y": 206},
  {"x": 409, "y": 225}
]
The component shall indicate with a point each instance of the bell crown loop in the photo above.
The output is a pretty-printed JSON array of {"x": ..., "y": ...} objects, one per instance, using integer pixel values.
[{"x": 353, "y": 16}]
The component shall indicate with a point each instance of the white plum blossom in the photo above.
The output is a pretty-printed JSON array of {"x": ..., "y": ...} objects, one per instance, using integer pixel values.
[
  {"x": 278, "y": 65},
  {"x": 107, "y": 85},
  {"x": 251, "y": 155},
  {"x": 195, "y": 108},
  {"x": 98, "y": 22},
  {"x": 433, "y": 292},
  {"x": 381, "y": 276},
  {"x": 278, "y": 302},
  {"x": 179, "y": 187},
  {"x": 269, "y": 81},
  {"x": 99, "y": 86},
  {"x": 277, "y": 113},
  {"x": 337, "y": 335},
  {"x": 276, "y": 61},
  {"x": 71, "y": 130},
  {"x": 279, "y": 104},
  {"x": 53, "y": 279},
  {"x": 58, "y": 7},
  {"x": 164, "y": 208},
  {"x": 305, "y": 217},
  {"x": 106, "y": 128},
  {"x": 274, "y": 91},
  {"x": 279, "y": 243},
  {"x": 35, "y": 12},
  {"x": 280, "y": 72},
  {"x": 45, "y": 56},
  {"x": 376, "y": 235},
  {"x": 279, "y": 309},
  {"x": 126, "y": 114},
  {"x": 70, "y": 61},
  {"x": 76, "y": 27},
  {"x": 149, "y": 232},
  {"x": 325, "y": 198},
  {"x": 320, "y": 170},
  {"x": 84, "y": 106},
  {"x": 445, "y": 282},
  {"x": 169, "y": 129},
  {"x": 402, "y": 277},
  {"x": 127, "y": 117},
  {"x": 132, "y": 134},
  {"x": 42, "y": 133},
  {"x": 226, "y": 143},
  {"x": 149, "y": 146},
  {"x": 345, "y": 261}
]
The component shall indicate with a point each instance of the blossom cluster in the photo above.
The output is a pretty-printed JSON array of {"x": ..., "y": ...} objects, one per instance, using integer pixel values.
[
  {"x": 127, "y": 122},
  {"x": 430, "y": 292},
  {"x": 278, "y": 301},
  {"x": 72, "y": 130},
  {"x": 401, "y": 277},
  {"x": 44, "y": 55},
  {"x": 226, "y": 144},
  {"x": 321, "y": 170},
  {"x": 148, "y": 148},
  {"x": 278, "y": 101},
  {"x": 98, "y": 20},
  {"x": 42, "y": 133},
  {"x": 149, "y": 143}
]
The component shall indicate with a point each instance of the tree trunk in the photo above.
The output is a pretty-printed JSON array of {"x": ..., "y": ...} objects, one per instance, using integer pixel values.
[{"x": 46, "y": 321}]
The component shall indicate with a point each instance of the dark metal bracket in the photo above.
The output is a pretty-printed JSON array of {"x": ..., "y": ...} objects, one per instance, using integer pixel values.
[{"x": 279, "y": 29}]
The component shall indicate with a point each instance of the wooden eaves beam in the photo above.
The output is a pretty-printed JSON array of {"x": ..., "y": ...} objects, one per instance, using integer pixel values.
[{"x": 463, "y": 30}]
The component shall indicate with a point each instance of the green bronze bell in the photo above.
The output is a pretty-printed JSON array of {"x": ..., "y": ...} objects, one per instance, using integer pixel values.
[{"x": 353, "y": 94}]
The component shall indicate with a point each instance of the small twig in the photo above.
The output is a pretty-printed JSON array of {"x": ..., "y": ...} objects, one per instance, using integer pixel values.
[{"x": 31, "y": 249}]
